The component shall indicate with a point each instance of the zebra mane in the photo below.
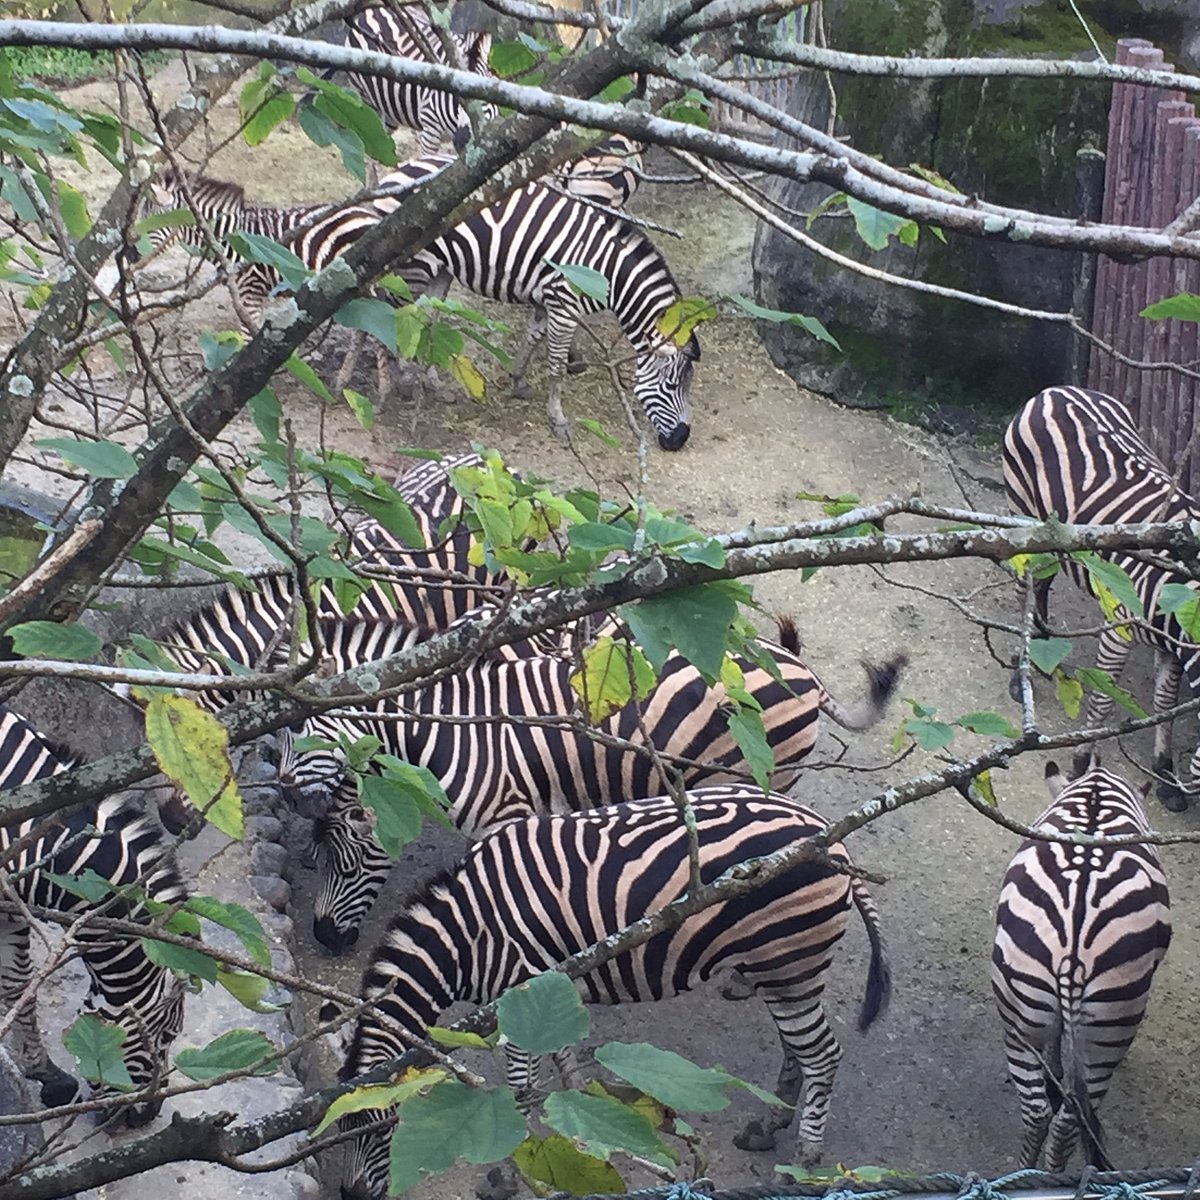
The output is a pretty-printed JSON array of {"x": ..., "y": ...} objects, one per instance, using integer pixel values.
[
  {"x": 227, "y": 190},
  {"x": 13, "y": 724}
]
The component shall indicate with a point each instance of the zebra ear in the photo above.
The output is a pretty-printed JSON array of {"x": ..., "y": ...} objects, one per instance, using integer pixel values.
[
  {"x": 692, "y": 349},
  {"x": 1055, "y": 780}
]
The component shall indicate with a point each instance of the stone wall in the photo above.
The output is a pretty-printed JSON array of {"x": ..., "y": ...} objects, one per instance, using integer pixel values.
[{"x": 1018, "y": 142}]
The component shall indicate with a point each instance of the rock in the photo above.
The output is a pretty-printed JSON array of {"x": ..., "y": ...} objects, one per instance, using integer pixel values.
[
  {"x": 273, "y": 890},
  {"x": 1025, "y": 143},
  {"x": 16, "y": 1141},
  {"x": 268, "y": 858},
  {"x": 263, "y": 827}
]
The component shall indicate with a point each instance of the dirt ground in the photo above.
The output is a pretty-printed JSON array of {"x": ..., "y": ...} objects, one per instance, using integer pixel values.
[{"x": 926, "y": 1089}]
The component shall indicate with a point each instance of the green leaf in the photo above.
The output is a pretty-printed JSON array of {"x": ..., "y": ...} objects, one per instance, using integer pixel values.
[
  {"x": 810, "y": 325},
  {"x": 361, "y": 407},
  {"x": 181, "y": 958},
  {"x": 711, "y": 553},
  {"x": 929, "y": 735},
  {"x": 599, "y": 433},
  {"x": 73, "y": 209},
  {"x": 325, "y": 132},
  {"x": 87, "y": 885},
  {"x": 1102, "y": 682},
  {"x": 380, "y": 1095},
  {"x": 599, "y": 537},
  {"x": 1182, "y": 601},
  {"x": 746, "y": 729},
  {"x": 668, "y": 1077},
  {"x": 456, "y": 1038},
  {"x": 216, "y": 349},
  {"x": 1183, "y": 306},
  {"x": 96, "y": 1048},
  {"x": 873, "y": 225},
  {"x": 1113, "y": 577},
  {"x": 298, "y": 369},
  {"x": 376, "y": 317},
  {"x": 1047, "y": 653},
  {"x": 256, "y": 248},
  {"x": 101, "y": 460},
  {"x": 543, "y": 1015},
  {"x": 988, "y": 723},
  {"x": 1069, "y": 692},
  {"x": 603, "y": 1126},
  {"x": 263, "y": 105},
  {"x": 240, "y": 921},
  {"x": 191, "y": 748},
  {"x": 240, "y": 1050},
  {"x": 511, "y": 58},
  {"x": 556, "y": 1164},
  {"x": 397, "y": 817},
  {"x": 695, "y": 620},
  {"x": 247, "y": 989},
  {"x": 612, "y": 674},
  {"x": 453, "y": 1122},
  {"x": 49, "y": 639},
  {"x": 584, "y": 281}
]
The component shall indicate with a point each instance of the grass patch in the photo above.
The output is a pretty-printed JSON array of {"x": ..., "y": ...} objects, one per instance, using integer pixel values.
[{"x": 64, "y": 65}]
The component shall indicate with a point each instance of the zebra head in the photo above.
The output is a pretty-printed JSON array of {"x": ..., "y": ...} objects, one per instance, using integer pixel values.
[
  {"x": 312, "y": 781},
  {"x": 151, "y": 1022},
  {"x": 351, "y": 869},
  {"x": 661, "y": 383}
]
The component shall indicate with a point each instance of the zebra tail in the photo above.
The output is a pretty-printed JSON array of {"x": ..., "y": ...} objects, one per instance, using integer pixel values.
[
  {"x": 1075, "y": 1089},
  {"x": 879, "y": 973}
]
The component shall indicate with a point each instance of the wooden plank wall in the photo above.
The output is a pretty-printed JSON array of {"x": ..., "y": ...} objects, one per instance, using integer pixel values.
[{"x": 1152, "y": 173}]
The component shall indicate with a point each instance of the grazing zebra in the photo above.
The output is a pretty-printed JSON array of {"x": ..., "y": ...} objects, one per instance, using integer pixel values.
[
  {"x": 114, "y": 839},
  {"x": 1076, "y": 454},
  {"x": 315, "y": 233},
  {"x": 567, "y": 881},
  {"x": 405, "y": 31},
  {"x": 507, "y": 252},
  {"x": 500, "y": 758},
  {"x": 1080, "y": 932}
]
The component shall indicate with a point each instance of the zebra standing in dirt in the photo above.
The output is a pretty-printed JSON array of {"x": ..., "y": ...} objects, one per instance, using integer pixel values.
[
  {"x": 1080, "y": 933},
  {"x": 538, "y": 890},
  {"x": 1077, "y": 454}
]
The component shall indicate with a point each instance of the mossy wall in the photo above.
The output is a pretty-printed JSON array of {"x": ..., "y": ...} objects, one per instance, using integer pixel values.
[{"x": 1015, "y": 142}]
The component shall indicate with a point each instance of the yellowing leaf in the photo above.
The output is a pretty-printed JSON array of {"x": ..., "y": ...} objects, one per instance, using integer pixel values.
[
  {"x": 1069, "y": 692},
  {"x": 467, "y": 374},
  {"x": 191, "y": 748},
  {"x": 680, "y": 320},
  {"x": 1109, "y": 605},
  {"x": 380, "y": 1095},
  {"x": 982, "y": 784},
  {"x": 611, "y": 675}
]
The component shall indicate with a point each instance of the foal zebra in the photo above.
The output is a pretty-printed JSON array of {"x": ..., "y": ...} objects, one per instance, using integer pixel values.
[
  {"x": 406, "y": 32},
  {"x": 502, "y": 756},
  {"x": 1076, "y": 454},
  {"x": 114, "y": 839},
  {"x": 1080, "y": 932},
  {"x": 508, "y": 251},
  {"x": 536, "y": 891}
]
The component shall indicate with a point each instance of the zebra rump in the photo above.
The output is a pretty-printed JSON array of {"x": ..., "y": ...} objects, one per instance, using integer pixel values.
[
  {"x": 1077, "y": 454},
  {"x": 500, "y": 757},
  {"x": 117, "y": 841},
  {"x": 1080, "y": 932},
  {"x": 538, "y": 890}
]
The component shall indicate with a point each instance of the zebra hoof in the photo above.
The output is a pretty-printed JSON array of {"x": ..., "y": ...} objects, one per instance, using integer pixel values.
[
  {"x": 735, "y": 987},
  {"x": 520, "y": 389},
  {"x": 500, "y": 1183},
  {"x": 138, "y": 1115},
  {"x": 754, "y": 1137},
  {"x": 561, "y": 430},
  {"x": 1173, "y": 799},
  {"x": 576, "y": 367}
]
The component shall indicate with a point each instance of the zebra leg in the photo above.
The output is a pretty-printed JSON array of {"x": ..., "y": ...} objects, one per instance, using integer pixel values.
[
  {"x": 562, "y": 325},
  {"x": 523, "y": 1074},
  {"x": 810, "y": 1061},
  {"x": 534, "y": 332},
  {"x": 1168, "y": 671},
  {"x": 346, "y": 371},
  {"x": 736, "y": 987},
  {"x": 16, "y": 971},
  {"x": 1110, "y": 656},
  {"x": 1028, "y": 1074}
]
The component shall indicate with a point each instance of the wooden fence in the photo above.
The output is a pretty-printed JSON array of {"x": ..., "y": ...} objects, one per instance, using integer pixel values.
[{"x": 1152, "y": 174}]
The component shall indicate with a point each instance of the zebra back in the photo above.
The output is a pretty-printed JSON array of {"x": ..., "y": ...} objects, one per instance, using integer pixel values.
[
  {"x": 606, "y": 174},
  {"x": 538, "y": 890},
  {"x": 1080, "y": 933}
]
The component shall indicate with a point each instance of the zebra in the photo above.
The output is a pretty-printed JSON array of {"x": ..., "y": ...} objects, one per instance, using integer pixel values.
[
  {"x": 1076, "y": 454},
  {"x": 500, "y": 759},
  {"x": 569, "y": 880},
  {"x": 315, "y": 233},
  {"x": 1080, "y": 933},
  {"x": 608, "y": 173},
  {"x": 116, "y": 840},
  {"x": 508, "y": 251}
]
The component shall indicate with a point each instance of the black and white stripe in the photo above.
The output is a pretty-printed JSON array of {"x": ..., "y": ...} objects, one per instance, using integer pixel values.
[
  {"x": 405, "y": 31},
  {"x": 538, "y": 890},
  {"x": 505, "y": 252},
  {"x": 607, "y": 174},
  {"x": 114, "y": 839},
  {"x": 1080, "y": 932},
  {"x": 498, "y": 739},
  {"x": 315, "y": 233},
  {"x": 1077, "y": 454}
]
